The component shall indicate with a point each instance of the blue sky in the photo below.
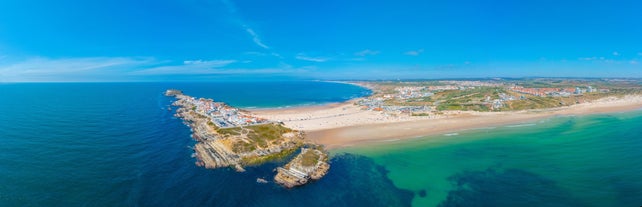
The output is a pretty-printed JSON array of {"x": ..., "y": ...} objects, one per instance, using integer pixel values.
[{"x": 161, "y": 40}]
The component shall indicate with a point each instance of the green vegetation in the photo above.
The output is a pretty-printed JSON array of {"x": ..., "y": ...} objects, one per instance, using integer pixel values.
[
  {"x": 256, "y": 160},
  {"x": 241, "y": 146},
  {"x": 533, "y": 102},
  {"x": 259, "y": 135},
  {"x": 229, "y": 131},
  {"x": 571, "y": 83},
  {"x": 420, "y": 114},
  {"x": 309, "y": 158},
  {"x": 470, "y": 94},
  {"x": 193, "y": 113},
  {"x": 262, "y": 134},
  {"x": 467, "y": 100},
  {"x": 211, "y": 124}
]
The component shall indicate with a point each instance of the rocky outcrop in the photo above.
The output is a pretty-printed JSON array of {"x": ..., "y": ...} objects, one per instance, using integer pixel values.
[
  {"x": 173, "y": 92},
  {"x": 247, "y": 144},
  {"x": 309, "y": 164}
]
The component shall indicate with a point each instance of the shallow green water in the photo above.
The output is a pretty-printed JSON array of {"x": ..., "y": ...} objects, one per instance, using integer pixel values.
[{"x": 591, "y": 160}]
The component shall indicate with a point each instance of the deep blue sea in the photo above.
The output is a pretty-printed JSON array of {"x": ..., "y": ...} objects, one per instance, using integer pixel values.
[{"x": 116, "y": 144}]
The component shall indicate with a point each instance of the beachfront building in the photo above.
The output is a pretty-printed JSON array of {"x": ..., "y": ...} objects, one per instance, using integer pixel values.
[
  {"x": 408, "y": 92},
  {"x": 222, "y": 115},
  {"x": 473, "y": 84},
  {"x": 554, "y": 92}
]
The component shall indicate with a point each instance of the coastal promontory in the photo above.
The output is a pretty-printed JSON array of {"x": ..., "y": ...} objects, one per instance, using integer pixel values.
[{"x": 231, "y": 137}]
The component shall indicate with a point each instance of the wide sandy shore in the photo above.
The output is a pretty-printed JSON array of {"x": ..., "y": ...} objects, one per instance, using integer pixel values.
[{"x": 345, "y": 124}]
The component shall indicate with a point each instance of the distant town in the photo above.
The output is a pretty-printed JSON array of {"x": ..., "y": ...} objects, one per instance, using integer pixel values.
[{"x": 432, "y": 97}]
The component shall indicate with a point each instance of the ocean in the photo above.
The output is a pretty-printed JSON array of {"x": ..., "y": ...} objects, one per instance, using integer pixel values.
[
  {"x": 591, "y": 160},
  {"x": 116, "y": 144}
]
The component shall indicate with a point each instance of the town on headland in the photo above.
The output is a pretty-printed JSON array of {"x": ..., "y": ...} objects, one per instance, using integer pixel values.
[{"x": 230, "y": 137}]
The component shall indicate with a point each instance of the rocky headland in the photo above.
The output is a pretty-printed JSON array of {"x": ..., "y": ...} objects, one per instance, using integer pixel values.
[{"x": 229, "y": 137}]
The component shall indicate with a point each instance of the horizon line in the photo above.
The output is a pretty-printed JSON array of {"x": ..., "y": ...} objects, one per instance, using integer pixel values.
[{"x": 329, "y": 80}]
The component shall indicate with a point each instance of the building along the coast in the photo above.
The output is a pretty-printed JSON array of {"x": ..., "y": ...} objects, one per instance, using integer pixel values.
[
  {"x": 554, "y": 92},
  {"x": 222, "y": 115}
]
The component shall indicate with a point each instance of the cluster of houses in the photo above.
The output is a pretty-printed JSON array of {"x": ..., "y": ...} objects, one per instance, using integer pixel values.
[
  {"x": 472, "y": 83},
  {"x": 372, "y": 104},
  {"x": 408, "y": 92},
  {"x": 377, "y": 104},
  {"x": 554, "y": 92},
  {"x": 463, "y": 85},
  {"x": 222, "y": 115},
  {"x": 495, "y": 104},
  {"x": 445, "y": 88}
]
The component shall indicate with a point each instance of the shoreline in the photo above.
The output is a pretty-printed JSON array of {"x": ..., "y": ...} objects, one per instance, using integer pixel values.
[{"x": 342, "y": 125}]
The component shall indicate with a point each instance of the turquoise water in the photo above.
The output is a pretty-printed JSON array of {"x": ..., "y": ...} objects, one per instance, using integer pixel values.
[
  {"x": 116, "y": 144},
  {"x": 590, "y": 160}
]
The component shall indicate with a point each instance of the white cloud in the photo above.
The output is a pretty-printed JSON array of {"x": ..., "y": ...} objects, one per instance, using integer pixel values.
[
  {"x": 615, "y": 53},
  {"x": 122, "y": 69},
  {"x": 603, "y": 60},
  {"x": 596, "y": 59},
  {"x": 276, "y": 55},
  {"x": 414, "y": 52},
  {"x": 47, "y": 68},
  {"x": 312, "y": 59},
  {"x": 367, "y": 52},
  {"x": 188, "y": 67},
  {"x": 255, "y": 53},
  {"x": 255, "y": 37},
  {"x": 231, "y": 8},
  {"x": 590, "y": 58},
  {"x": 182, "y": 70},
  {"x": 210, "y": 63},
  {"x": 213, "y": 67}
]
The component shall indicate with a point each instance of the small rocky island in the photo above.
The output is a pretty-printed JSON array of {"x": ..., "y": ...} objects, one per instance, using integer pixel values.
[
  {"x": 309, "y": 164},
  {"x": 230, "y": 137}
]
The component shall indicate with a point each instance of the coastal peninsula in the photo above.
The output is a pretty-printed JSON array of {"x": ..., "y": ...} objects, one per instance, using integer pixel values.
[{"x": 231, "y": 137}]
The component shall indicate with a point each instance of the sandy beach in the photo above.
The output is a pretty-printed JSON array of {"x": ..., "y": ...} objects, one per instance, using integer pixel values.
[{"x": 345, "y": 124}]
